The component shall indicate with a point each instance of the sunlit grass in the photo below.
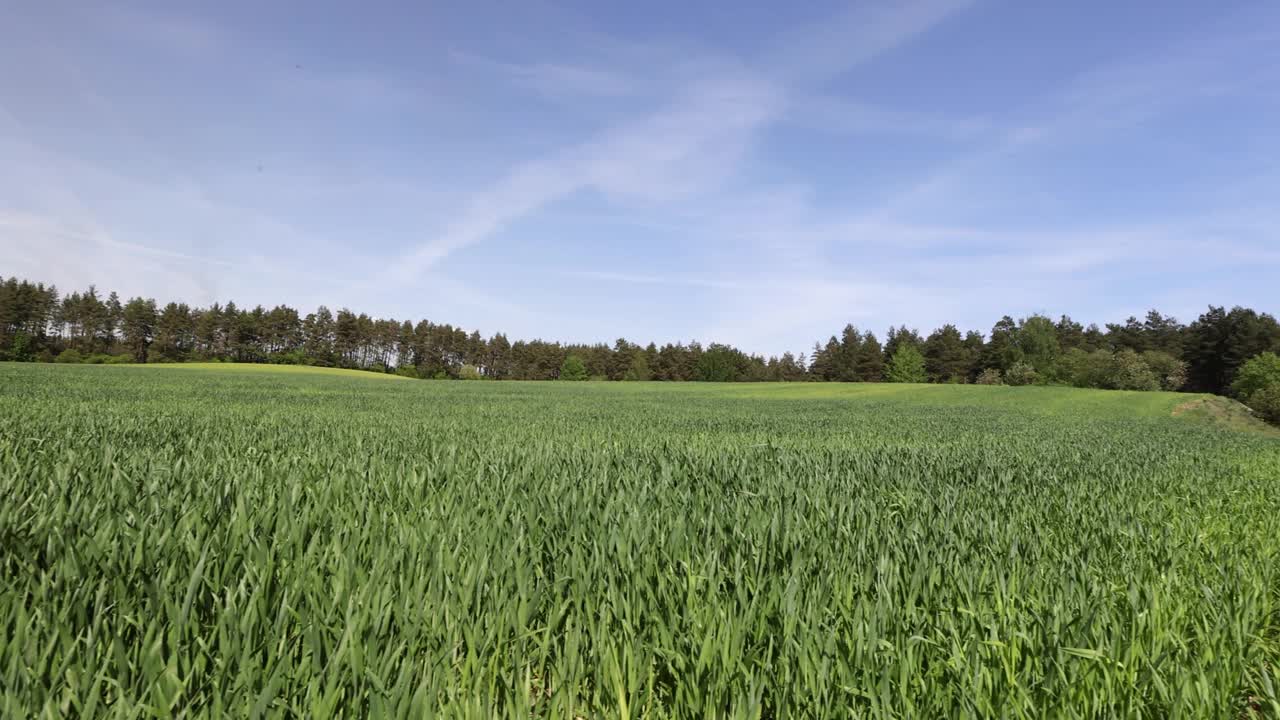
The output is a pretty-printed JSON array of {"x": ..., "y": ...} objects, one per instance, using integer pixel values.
[
  {"x": 268, "y": 369},
  {"x": 240, "y": 542}
]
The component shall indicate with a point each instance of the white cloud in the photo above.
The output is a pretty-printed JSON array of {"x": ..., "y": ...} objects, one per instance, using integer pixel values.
[
  {"x": 694, "y": 142},
  {"x": 679, "y": 150},
  {"x": 865, "y": 30},
  {"x": 1122, "y": 94},
  {"x": 766, "y": 259},
  {"x": 74, "y": 256}
]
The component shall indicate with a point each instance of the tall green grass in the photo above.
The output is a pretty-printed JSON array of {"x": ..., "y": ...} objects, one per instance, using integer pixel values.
[{"x": 186, "y": 543}]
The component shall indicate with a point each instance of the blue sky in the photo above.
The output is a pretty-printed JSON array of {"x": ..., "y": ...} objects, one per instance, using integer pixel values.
[{"x": 759, "y": 175}]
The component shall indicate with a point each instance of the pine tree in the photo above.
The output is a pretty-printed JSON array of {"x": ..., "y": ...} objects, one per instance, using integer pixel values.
[
  {"x": 946, "y": 357},
  {"x": 907, "y": 365},
  {"x": 870, "y": 359},
  {"x": 138, "y": 326}
]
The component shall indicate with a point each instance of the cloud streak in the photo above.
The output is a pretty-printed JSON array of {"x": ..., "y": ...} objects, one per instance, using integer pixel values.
[
  {"x": 677, "y": 151},
  {"x": 552, "y": 79},
  {"x": 692, "y": 143}
]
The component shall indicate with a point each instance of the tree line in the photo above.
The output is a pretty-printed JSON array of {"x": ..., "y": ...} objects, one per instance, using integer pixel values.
[{"x": 37, "y": 323}]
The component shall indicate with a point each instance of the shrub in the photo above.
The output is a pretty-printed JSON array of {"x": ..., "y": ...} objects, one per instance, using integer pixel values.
[
  {"x": 469, "y": 372},
  {"x": 1075, "y": 367},
  {"x": 21, "y": 350},
  {"x": 1169, "y": 370},
  {"x": 1124, "y": 370},
  {"x": 990, "y": 376},
  {"x": 1266, "y": 403},
  {"x": 573, "y": 369},
  {"x": 1095, "y": 370},
  {"x": 1020, "y": 373},
  {"x": 292, "y": 357},
  {"x": 1129, "y": 372},
  {"x": 70, "y": 355},
  {"x": 1261, "y": 371}
]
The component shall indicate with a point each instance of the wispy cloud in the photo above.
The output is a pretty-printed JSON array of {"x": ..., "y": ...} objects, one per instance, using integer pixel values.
[
  {"x": 553, "y": 79},
  {"x": 834, "y": 114},
  {"x": 669, "y": 280},
  {"x": 83, "y": 255},
  {"x": 1105, "y": 99},
  {"x": 769, "y": 183},
  {"x": 694, "y": 140},
  {"x": 835, "y": 45},
  {"x": 675, "y": 151}
]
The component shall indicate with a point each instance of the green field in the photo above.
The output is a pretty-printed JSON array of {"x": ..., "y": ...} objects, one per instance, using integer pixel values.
[{"x": 231, "y": 540}]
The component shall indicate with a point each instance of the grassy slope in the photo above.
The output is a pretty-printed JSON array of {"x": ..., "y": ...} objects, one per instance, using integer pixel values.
[
  {"x": 257, "y": 368},
  {"x": 1223, "y": 413},
  {"x": 1209, "y": 410}
]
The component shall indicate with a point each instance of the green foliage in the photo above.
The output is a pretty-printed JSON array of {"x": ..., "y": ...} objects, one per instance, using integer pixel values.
[
  {"x": 1021, "y": 373},
  {"x": 1258, "y": 384},
  {"x": 1122, "y": 370},
  {"x": 899, "y": 336},
  {"x": 869, "y": 359},
  {"x": 1220, "y": 341},
  {"x": 1265, "y": 401},
  {"x": 947, "y": 359},
  {"x": 105, "y": 359},
  {"x": 292, "y": 357},
  {"x": 990, "y": 376},
  {"x": 1129, "y": 372},
  {"x": 1084, "y": 369},
  {"x": 1171, "y": 372},
  {"x": 288, "y": 542},
  {"x": 854, "y": 357},
  {"x": 718, "y": 364},
  {"x": 469, "y": 372},
  {"x": 22, "y": 349},
  {"x": 70, "y": 355},
  {"x": 1002, "y": 351},
  {"x": 1037, "y": 343},
  {"x": 38, "y": 323},
  {"x": 639, "y": 367},
  {"x": 907, "y": 365},
  {"x": 138, "y": 326},
  {"x": 1259, "y": 372},
  {"x": 573, "y": 369}
]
